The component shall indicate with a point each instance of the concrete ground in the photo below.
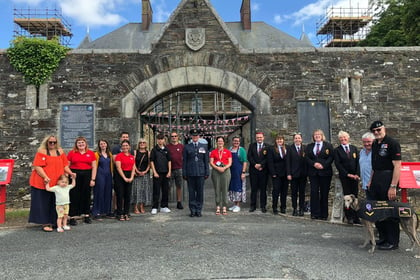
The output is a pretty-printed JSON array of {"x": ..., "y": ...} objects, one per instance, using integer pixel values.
[{"x": 174, "y": 246}]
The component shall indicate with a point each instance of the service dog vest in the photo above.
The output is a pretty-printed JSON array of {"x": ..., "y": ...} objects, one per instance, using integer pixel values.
[{"x": 374, "y": 211}]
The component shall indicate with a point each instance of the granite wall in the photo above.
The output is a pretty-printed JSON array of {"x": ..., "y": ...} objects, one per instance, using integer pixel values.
[{"x": 359, "y": 85}]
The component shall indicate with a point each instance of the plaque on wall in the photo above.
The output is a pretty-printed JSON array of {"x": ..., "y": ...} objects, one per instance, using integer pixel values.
[{"x": 77, "y": 120}]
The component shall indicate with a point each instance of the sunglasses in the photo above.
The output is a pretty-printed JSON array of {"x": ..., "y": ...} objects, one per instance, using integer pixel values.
[
  {"x": 173, "y": 136},
  {"x": 376, "y": 129},
  {"x": 52, "y": 142}
]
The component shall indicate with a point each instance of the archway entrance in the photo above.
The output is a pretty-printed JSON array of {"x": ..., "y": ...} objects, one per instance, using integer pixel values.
[
  {"x": 214, "y": 112},
  {"x": 218, "y": 91}
]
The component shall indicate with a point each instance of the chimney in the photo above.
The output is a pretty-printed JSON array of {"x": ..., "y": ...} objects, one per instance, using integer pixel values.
[
  {"x": 246, "y": 14},
  {"x": 146, "y": 15}
]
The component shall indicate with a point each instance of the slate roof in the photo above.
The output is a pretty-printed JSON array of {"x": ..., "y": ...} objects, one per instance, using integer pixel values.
[{"x": 261, "y": 37}]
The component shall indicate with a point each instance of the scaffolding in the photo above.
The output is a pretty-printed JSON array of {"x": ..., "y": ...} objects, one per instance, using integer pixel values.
[
  {"x": 343, "y": 27},
  {"x": 41, "y": 23}
]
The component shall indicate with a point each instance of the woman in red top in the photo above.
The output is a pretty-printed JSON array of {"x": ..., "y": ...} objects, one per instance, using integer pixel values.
[
  {"x": 126, "y": 168},
  {"x": 220, "y": 161},
  {"x": 83, "y": 163},
  {"x": 49, "y": 164}
]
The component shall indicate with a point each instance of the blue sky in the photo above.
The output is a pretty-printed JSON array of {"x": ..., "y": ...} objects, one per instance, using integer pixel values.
[{"x": 103, "y": 16}]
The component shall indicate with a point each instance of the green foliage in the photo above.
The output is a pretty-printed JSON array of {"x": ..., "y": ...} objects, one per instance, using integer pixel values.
[
  {"x": 398, "y": 25},
  {"x": 36, "y": 58}
]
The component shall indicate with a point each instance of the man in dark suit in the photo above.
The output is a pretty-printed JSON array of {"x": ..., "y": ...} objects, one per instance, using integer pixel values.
[
  {"x": 195, "y": 169},
  {"x": 346, "y": 159},
  {"x": 297, "y": 173},
  {"x": 258, "y": 171}
]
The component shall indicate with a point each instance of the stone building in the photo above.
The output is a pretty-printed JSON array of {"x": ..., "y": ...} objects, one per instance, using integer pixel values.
[{"x": 224, "y": 77}]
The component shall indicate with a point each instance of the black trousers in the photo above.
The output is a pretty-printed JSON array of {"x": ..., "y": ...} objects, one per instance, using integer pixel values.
[
  {"x": 280, "y": 187},
  {"x": 195, "y": 193},
  {"x": 320, "y": 188},
  {"x": 123, "y": 193},
  {"x": 160, "y": 184},
  {"x": 80, "y": 194},
  {"x": 389, "y": 229},
  {"x": 258, "y": 184},
  {"x": 298, "y": 190}
]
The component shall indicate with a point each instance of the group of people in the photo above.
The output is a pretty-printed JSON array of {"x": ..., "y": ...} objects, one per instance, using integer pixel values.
[{"x": 126, "y": 170}]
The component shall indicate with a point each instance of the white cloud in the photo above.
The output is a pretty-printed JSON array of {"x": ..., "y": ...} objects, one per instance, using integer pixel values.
[
  {"x": 28, "y": 2},
  {"x": 161, "y": 12},
  {"x": 255, "y": 7},
  {"x": 278, "y": 19},
  {"x": 92, "y": 12},
  {"x": 85, "y": 12}
]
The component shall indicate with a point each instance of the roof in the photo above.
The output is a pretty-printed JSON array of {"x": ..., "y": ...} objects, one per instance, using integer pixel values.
[{"x": 131, "y": 37}]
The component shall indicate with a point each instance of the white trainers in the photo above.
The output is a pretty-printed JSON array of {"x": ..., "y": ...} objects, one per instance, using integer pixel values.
[
  {"x": 236, "y": 209},
  {"x": 154, "y": 211},
  {"x": 231, "y": 208},
  {"x": 67, "y": 228},
  {"x": 165, "y": 210},
  {"x": 59, "y": 229}
]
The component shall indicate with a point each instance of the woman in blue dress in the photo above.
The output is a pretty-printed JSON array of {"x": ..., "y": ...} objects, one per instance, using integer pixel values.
[
  {"x": 102, "y": 192},
  {"x": 237, "y": 186}
]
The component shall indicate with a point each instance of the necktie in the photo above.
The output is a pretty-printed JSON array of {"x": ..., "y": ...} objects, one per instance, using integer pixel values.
[
  {"x": 281, "y": 151},
  {"x": 318, "y": 150},
  {"x": 259, "y": 149},
  {"x": 347, "y": 151},
  {"x": 298, "y": 150}
]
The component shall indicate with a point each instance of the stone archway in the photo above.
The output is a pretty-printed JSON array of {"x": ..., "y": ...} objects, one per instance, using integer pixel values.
[{"x": 152, "y": 88}]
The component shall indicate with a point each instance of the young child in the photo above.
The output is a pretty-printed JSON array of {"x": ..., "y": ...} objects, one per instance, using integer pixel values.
[{"x": 62, "y": 201}]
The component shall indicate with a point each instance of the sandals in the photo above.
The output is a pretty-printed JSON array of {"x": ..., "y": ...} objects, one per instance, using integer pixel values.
[
  {"x": 124, "y": 218},
  {"x": 218, "y": 210},
  {"x": 224, "y": 212},
  {"x": 47, "y": 228}
]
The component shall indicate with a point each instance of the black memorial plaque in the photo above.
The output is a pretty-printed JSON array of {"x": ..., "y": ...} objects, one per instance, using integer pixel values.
[{"x": 77, "y": 120}]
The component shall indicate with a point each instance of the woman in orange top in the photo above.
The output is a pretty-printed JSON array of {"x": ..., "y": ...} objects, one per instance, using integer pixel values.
[{"x": 49, "y": 164}]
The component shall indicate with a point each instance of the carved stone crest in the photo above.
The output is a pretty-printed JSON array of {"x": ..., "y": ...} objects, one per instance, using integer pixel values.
[{"x": 195, "y": 38}]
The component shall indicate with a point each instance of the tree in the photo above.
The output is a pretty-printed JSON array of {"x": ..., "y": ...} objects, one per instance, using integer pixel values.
[
  {"x": 36, "y": 58},
  {"x": 398, "y": 25}
]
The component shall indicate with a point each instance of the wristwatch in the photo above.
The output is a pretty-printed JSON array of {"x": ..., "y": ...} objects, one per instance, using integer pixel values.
[{"x": 393, "y": 186}]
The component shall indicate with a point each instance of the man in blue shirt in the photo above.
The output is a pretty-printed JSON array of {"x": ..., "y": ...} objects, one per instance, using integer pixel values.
[{"x": 365, "y": 161}]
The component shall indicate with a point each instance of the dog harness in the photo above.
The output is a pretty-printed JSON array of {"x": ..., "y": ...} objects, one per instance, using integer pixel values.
[{"x": 374, "y": 211}]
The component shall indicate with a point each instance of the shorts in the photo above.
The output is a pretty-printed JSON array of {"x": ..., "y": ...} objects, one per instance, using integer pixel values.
[
  {"x": 62, "y": 210},
  {"x": 176, "y": 175}
]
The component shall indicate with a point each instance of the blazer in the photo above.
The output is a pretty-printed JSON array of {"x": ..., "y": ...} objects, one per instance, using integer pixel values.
[
  {"x": 254, "y": 158},
  {"x": 344, "y": 164},
  {"x": 195, "y": 161},
  {"x": 277, "y": 164},
  {"x": 296, "y": 165},
  {"x": 325, "y": 157}
]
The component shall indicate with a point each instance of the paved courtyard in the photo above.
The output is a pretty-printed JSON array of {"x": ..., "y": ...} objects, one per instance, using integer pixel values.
[{"x": 174, "y": 246}]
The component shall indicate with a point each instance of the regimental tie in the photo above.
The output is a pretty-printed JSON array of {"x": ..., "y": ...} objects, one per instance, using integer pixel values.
[
  {"x": 318, "y": 150},
  {"x": 298, "y": 149},
  {"x": 346, "y": 148},
  {"x": 259, "y": 149}
]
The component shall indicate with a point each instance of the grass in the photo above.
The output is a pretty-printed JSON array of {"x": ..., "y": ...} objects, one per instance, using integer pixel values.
[
  {"x": 16, "y": 217},
  {"x": 16, "y": 213}
]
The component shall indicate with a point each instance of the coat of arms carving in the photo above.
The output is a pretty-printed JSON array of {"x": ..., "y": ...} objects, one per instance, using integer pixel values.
[{"x": 195, "y": 38}]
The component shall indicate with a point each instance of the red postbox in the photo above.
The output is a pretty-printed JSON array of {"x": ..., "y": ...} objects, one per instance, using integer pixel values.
[
  {"x": 6, "y": 171},
  {"x": 409, "y": 178}
]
